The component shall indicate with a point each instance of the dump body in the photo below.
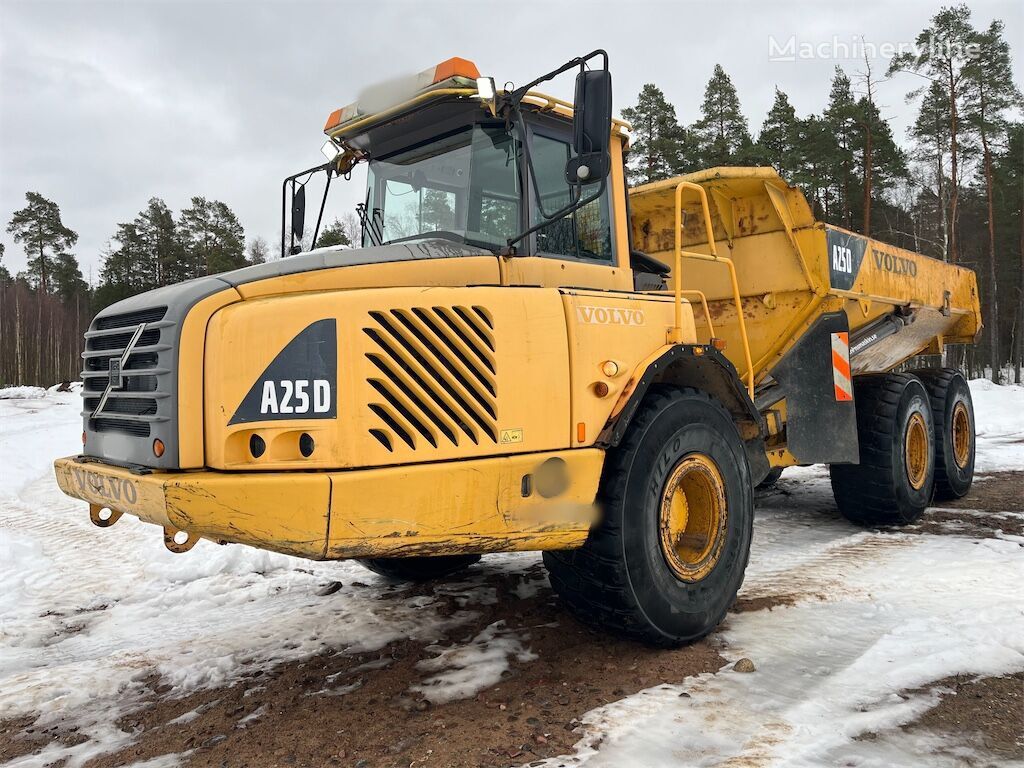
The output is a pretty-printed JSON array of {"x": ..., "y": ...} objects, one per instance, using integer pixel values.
[{"x": 792, "y": 270}]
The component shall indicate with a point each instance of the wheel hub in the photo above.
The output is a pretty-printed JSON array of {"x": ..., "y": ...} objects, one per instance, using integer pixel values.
[
  {"x": 915, "y": 451},
  {"x": 961, "y": 435},
  {"x": 693, "y": 517}
]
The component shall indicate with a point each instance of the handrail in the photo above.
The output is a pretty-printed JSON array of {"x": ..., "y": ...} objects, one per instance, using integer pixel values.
[
  {"x": 704, "y": 305},
  {"x": 675, "y": 336}
]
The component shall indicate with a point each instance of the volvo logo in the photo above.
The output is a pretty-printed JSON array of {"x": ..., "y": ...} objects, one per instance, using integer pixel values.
[{"x": 115, "y": 369}]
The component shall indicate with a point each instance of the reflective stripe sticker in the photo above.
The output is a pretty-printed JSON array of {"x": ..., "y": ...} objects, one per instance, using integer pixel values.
[{"x": 841, "y": 366}]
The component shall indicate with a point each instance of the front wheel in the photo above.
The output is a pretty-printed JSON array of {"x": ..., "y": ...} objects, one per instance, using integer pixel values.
[
  {"x": 770, "y": 479},
  {"x": 418, "y": 568},
  {"x": 667, "y": 559}
]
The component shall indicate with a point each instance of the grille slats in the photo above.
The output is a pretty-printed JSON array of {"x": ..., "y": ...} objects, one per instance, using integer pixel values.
[
  {"x": 450, "y": 360},
  {"x": 441, "y": 413},
  {"x": 437, "y": 379},
  {"x": 434, "y": 373},
  {"x": 481, "y": 330},
  {"x": 152, "y": 315},
  {"x": 112, "y": 340},
  {"x": 134, "y": 407}
]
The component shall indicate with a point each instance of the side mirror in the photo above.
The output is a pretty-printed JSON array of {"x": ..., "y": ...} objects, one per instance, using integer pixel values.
[
  {"x": 298, "y": 212},
  {"x": 591, "y": 128}
]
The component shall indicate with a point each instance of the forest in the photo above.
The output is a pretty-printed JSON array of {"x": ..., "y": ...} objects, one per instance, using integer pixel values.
[{"x": 952, "y": 189}]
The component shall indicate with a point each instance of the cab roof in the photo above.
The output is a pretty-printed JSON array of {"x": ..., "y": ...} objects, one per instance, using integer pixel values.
[{"x": 455, "y": 78}]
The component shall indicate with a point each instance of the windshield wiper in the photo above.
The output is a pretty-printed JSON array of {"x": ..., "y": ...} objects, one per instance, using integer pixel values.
[{"x": 446, "y": 234}]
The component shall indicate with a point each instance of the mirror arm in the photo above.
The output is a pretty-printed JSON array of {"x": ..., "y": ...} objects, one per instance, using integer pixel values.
[
  {"x": 284, "y": 207},
  {"x": 518, "y": 94},
  {"x": 514, "y": 101},
  {"x": 327, "y": 167},
  {"x": 323, "y": 203}
]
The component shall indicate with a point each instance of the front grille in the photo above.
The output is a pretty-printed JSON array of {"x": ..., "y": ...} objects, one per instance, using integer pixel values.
[
  {"x": 130, "y": 319},
  {"x": 134, "y": 407},
  {"x": 434, "y": 379}
]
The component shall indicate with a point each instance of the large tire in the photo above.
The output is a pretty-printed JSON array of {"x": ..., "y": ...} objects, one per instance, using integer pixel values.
[
  {"x": 893, "y": 483},
  {"x": 418, "y": 568},
  {"x": 770, "y": 479},
  {"x": 953, "y": 415},
  {"x": 667, "y": 559}
]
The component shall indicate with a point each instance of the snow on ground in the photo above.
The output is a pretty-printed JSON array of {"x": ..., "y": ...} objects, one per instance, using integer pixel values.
[
  {"x": 877, "y": 615},
  {"x": 999, "y": 423},
  {"x": 90, "y": 619}
]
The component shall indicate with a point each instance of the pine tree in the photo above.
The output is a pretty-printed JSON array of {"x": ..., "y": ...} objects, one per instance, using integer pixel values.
[
  {"x": 840, "y": 118},
  {"x": 39, "y": 227},
  {"x": 780, "y": 143},
  {"x": 121, "y": 275},
  {"x": 67, "y": 278},
  {"x": 5, "y": 276},
  {"x": 930, "y": 132},
  {"x": 815, "y": 172},
  {"x": 1008, "y": 194},
  {"x": 158, "y": 232},
  {"x": 660, "y": 148},
  {"x": 990, "y": 92},
  {"x": 721, "y": 132},
  {"x": 333, "y": 234},
  {"x": 881, "y": 162},
  {"x": 942, "y": 56},
  {"x": 213, "y": 238}
]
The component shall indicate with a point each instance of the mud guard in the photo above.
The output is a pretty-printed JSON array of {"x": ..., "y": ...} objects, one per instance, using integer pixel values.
[
  {"x": 705, "y": 368},
  {"x": 821, "y": 428}
]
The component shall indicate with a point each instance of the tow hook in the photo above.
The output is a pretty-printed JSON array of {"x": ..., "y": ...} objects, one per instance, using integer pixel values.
[
  {"x": 178, "y": 541},
  {"x": 103, "y": 517}
]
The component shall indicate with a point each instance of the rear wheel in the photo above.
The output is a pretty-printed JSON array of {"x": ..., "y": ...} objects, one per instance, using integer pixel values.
[
  {"x": 418, "y": 568},
  {"x": 953, "y": 415},
  {"x": 892, "y": 484},
  {"x": 667, "y": 559}
]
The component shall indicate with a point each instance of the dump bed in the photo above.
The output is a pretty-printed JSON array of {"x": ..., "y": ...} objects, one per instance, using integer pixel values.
[{"x": 791, "y": 270}]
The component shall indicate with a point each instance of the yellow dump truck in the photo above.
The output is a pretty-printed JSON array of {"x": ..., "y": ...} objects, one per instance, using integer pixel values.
[{"x": 524, "y": 354}]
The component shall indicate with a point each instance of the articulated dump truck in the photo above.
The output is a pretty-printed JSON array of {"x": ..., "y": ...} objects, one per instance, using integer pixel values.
[{"x": 524, "y": 354}]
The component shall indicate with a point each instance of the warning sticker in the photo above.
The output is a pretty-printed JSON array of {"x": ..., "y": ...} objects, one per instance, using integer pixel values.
[{"x": 511, "y": 436}]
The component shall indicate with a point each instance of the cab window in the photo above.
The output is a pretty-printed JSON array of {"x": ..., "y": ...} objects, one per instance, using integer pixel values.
[
  {"x": 585, "y": 234},
  {"x": 464, "y": 185}
]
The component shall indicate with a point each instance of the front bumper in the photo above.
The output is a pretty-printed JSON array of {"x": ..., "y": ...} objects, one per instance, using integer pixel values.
[{"x": 473, "y": 506}]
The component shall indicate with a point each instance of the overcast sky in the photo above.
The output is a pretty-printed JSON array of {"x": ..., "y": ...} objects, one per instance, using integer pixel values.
[{"x": 104, "y": 105}]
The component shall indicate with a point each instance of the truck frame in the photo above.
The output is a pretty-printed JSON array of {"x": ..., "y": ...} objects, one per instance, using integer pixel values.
[{"x": 525, "y": 354}]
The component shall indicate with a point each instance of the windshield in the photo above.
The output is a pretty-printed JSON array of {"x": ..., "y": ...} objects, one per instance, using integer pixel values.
[{"x": 462, "y": 186}]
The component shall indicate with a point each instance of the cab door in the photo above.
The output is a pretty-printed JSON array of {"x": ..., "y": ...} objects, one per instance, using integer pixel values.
[{"x": 589, "y": 248}]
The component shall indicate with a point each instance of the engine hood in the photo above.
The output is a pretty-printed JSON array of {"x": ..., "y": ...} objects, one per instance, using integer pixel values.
[{"x": 173, "y": 371}]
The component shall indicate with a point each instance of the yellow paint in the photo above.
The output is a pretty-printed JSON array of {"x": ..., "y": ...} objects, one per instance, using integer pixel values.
[
  {"x": 768, "y": 231},
  {"x": 693, "y": 517},
  {"x": 530, "y": 380},
  {"x": 282, "y": 512},
  {"x": 424, "y": 509},
  {"x": 190, "y": 377},
  {"x": 469, "y": 506},
  {"x": 626, "y": 327},
  {"x": 469, "y": 270}
]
